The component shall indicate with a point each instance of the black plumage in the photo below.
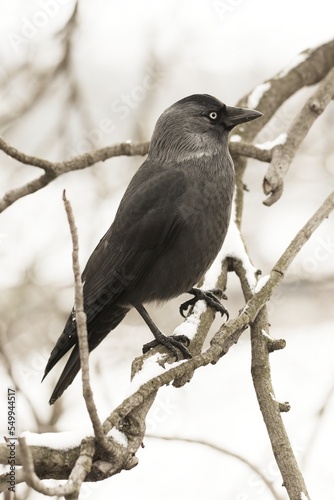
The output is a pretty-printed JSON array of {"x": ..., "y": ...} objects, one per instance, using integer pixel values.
[{"x": 169, "y": 227}]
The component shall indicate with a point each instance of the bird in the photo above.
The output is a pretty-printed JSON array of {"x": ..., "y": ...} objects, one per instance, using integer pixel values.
[{"x": 167, "y": 231}]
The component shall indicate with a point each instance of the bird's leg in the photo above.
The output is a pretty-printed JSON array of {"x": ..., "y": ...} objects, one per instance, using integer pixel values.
[
  {"x": 169, "y": 342},
  {"x": 211, "y": 297}
]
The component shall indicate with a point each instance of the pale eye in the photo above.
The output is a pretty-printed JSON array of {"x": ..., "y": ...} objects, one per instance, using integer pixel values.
[{"x": 213, "y": 115}]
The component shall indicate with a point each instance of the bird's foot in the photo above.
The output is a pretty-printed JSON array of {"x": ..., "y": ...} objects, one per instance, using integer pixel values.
[
  {"x": 172, "y": 342},
  {"x": 211, "y": 297}
]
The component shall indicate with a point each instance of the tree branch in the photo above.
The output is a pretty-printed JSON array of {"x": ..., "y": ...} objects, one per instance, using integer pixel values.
[
  {"x": 249, "y": 150},
  {"x": 283, "y": 154},
  {"x": 81, "y": 327},
  {"x": 72, "y": 487},
  {"x": 309, "y": 69},
  {"x": 271, "y": 409},
  {"x": 38, "y": 82},
  {"x": 55, "y": 169},
  {"x": 262, "y": 345}
]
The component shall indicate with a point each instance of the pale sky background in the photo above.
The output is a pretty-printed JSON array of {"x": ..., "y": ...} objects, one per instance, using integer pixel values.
[{"x": 150, "y": 54}]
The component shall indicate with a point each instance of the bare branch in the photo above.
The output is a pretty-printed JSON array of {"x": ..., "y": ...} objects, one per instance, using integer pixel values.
[
  {"x": 82, "y": 467},
  {"x": 271, "y": 409},
  {"x": 55, "y": 169},
  {"x": 283, "y": 154},
  {"x": 81, "y": 326},
  {"x": 308, "y": 70},
  {"x": 31, "y": 478},
  {"x": 249, "y": 150},
  {"x": 72, "y": 487},
  {"x": 262, "y": 345},
  {"x": 37, "y": 83}
]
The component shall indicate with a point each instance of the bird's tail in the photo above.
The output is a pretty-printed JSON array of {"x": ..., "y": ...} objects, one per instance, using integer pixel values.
[
  {"x": 98, "y": 329},
  {"x": 67, "y": 340},
  {"x": 67, "y": 376}
]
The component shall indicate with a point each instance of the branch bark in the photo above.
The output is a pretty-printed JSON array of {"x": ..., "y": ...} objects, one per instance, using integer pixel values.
[
  {"x": 309, "y": 69},
  {"x": 81, "y": 323},
  {"x": 52, "y": 170},
  {"x": 271, "y": 409},
  {"x": 283, "y": 154}
]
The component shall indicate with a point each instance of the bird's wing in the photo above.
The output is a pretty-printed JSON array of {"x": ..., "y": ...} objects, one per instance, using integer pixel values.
[{"x": 146, "y": 225}]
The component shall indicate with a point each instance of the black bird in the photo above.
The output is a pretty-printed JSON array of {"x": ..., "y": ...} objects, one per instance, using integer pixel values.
[{"x": 168, "y": 229}]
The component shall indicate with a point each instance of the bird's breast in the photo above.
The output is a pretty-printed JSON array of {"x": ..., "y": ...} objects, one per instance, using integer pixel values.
[{"x": 205, "y": 212}]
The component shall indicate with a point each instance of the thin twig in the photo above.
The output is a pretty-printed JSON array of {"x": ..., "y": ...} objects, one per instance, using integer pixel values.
[
  {"x": 72, "y": 486},
  {"x": 55, "y": 169},
  {"x": 248, "y": 150},
  {"x": 78, "y": 162},
  {"x": 33, "y": 480},
  {"x": 230, "y": 453},
  {"x": 81, "y": 325},
  {"x": 82, "y": 467}
]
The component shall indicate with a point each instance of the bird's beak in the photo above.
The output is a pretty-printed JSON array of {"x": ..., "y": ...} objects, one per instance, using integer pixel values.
[{"x": 239, "y": 115}]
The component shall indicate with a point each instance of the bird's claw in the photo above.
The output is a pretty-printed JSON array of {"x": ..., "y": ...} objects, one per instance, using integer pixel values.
[
  {"x": 175, "y": 341},
  {"x": 211, "y": 297}
]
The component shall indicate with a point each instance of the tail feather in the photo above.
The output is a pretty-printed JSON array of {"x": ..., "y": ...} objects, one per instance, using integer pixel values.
[
  {"x": 68, "y": 374},
  {"x": 98, "y": 329},
  {"x": 67, "y": 340}
]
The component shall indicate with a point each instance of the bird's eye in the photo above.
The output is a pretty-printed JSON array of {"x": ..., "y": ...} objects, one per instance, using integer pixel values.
[{"x": 213, "y": 115}]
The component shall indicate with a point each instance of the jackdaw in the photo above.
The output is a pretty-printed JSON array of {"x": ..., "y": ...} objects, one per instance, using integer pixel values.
[{"x": 168, "y": 229}]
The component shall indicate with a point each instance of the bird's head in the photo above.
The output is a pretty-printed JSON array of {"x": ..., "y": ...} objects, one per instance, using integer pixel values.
[{"x": 195, "y": 126}]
